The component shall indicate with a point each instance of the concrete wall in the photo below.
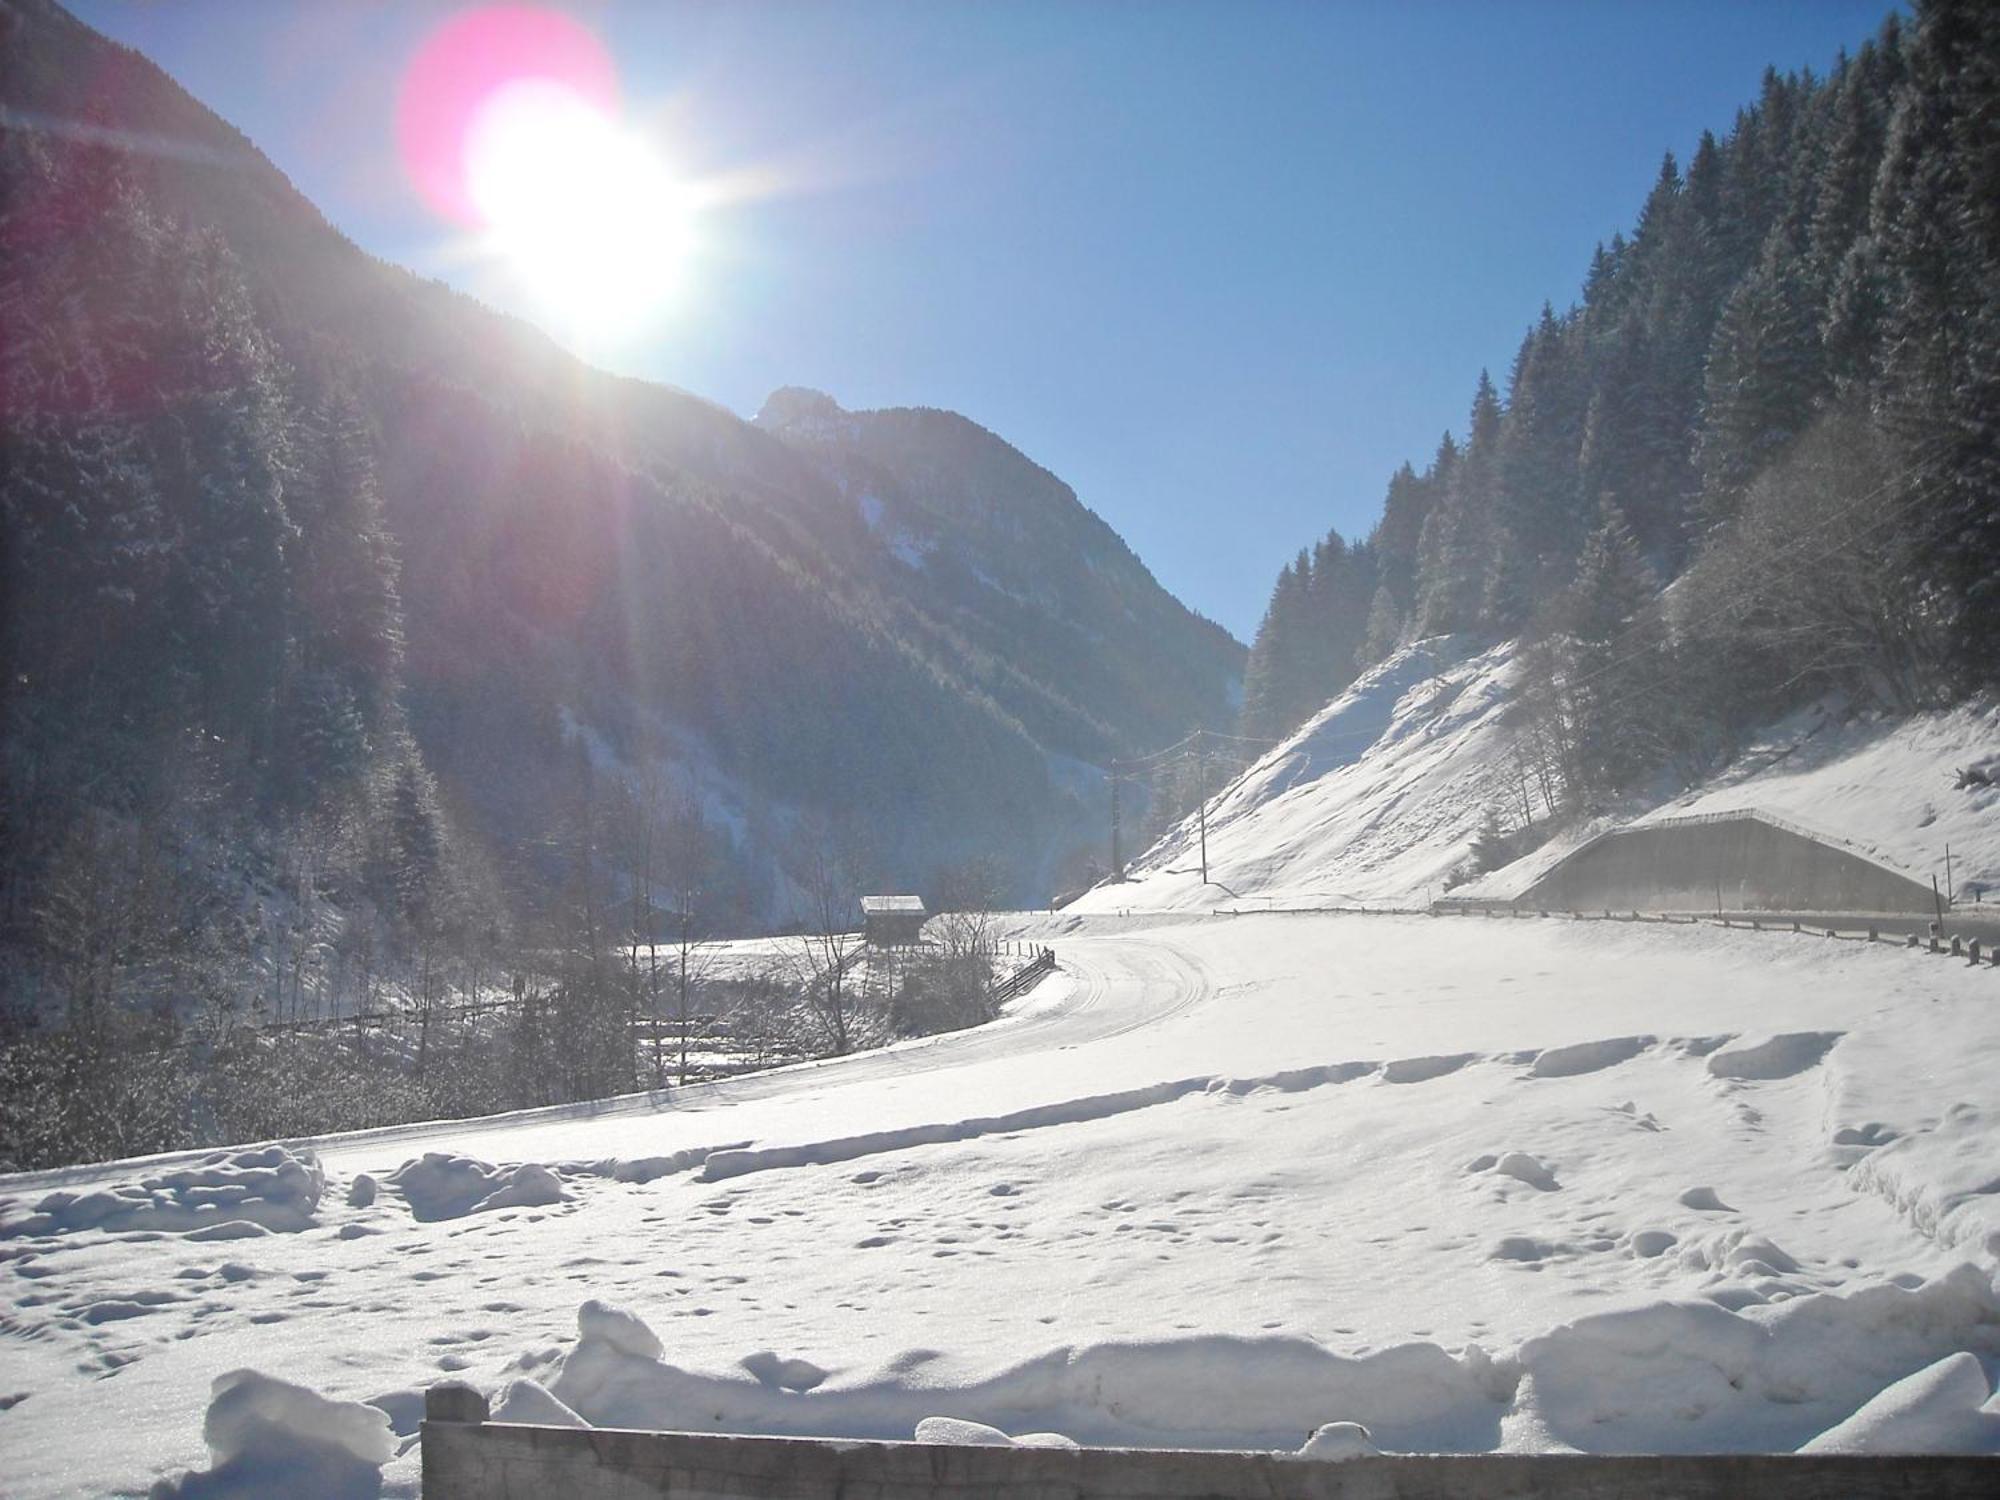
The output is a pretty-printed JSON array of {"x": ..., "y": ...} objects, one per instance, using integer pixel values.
[
  {"x": 474, "y": 1461},
  {"x": 1733, "y": 862}
]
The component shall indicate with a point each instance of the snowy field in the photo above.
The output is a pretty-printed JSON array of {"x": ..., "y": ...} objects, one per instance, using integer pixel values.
[{"x": 1524, "y": 1185}]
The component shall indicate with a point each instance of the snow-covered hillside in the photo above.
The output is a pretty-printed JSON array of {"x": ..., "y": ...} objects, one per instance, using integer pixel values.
[
  {"x": 1377, "y": 799},
  {"x": 1522, "y": 1185},
  {"x": 1373, "y": 802}
]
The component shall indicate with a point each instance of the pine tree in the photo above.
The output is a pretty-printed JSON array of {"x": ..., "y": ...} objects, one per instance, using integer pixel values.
[
  {"x": 1936, "y": 220},
  {"x": 1765, "y": 375},
  {"x": 1457, "y": 538},
  {"x": 1275, "y": 676},
  {"x": 1385, "y": 626},
  {"x": 1611, "y": 645}
]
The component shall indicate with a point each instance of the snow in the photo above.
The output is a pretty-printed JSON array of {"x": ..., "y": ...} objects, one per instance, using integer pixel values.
[
  {"x": 528, "y": 1402},
  {"x": 1376, "y": 801},
  {"x": 1223, "y": 1181},
  {"x": 1945, "y": 1407},
  {"x": 1884, "y": 786},
  {"x": 439, "y": 1185},
  {"x": 1337, "y": 1441},
  {"x": 267, "y": 1435},
  {"x": 226, "y": 1194}
]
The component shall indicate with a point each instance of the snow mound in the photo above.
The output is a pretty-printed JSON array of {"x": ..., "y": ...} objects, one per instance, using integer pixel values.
[
  {"x": 617, "y": 1330},
  {"x": 268, "y": 1437},
  {"x": 1775, "y": 1057},
  {"x": 956, "y": 1432},
  {"x": 1335, "y": 1442},
  {"x": 529, "y": 1403},
  {"x": 1213, "y": 1391},
  {"x": 1424, "y": 1069},
  {"x": 1945, "y": 1180},
  {"x": 1694, "y": 1377},
  {"x": 226, "y": 1195},
  {"x": 783, "y": 1374},
  {"x": 1940, "y": 1409},
  {"x": 1529, "y": 1169},
  {"x": 1588, "y": 1057},
  {"x": 439, "y": 1185}
]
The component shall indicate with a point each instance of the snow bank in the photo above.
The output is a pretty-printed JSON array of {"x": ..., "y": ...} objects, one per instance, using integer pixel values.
[
  {"x": 600, "y": 1323},
  {"x": 1946, "y": 1408},
  {"x": 1213, "y": 1391},
  {"x": 1667, "y": 1377},
  {"x": 1692, "y": 1377},
  {"x": 268, "y": 1436},
  {"x": 439, "y": 1185},
  {"x": 721, "y": 1165},
  {"x": 1774, "y": 1057},
  {"x": 1945, "y": 1179},
  {"x": 265, "y": 1188},
  {"x": 528, "y": 1402}
]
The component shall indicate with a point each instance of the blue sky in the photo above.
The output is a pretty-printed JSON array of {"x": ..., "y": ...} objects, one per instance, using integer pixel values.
[{"x": 1219, "y": 266}]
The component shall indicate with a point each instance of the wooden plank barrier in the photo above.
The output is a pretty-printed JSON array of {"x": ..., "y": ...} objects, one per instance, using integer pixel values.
[{"x": 468, "y": 1458}]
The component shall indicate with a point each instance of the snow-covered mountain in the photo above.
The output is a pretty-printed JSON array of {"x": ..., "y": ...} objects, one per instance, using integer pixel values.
[
  {"x": 1377, "y": 800},
  {"x": 912, "y": 630}
]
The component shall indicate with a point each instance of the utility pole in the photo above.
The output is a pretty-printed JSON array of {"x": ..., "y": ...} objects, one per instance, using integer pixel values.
[
  {"x": 1201, "y": 780},
  {"x": 1117, "y": 859}
]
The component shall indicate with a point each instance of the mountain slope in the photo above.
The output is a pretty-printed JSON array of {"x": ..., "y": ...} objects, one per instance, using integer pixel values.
[
  {"x": 580, "y": 550},
  {"x": 1379, "y": 798},
  {"x": 993, "y": 560}
]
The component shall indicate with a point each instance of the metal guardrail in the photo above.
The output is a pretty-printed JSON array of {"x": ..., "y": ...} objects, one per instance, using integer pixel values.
[
  {"x": 1897, "y": 929},
  {"x": 466, "y": 1457}
]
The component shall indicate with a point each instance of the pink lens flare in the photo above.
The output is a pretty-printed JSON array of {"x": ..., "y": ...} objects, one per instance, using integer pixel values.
[{"x": 463, "y": 64}]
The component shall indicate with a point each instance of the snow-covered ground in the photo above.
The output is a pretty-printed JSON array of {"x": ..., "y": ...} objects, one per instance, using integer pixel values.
[
  {"x": 1377, "y": 799},
  {"x": 1524, "y": 1185}
]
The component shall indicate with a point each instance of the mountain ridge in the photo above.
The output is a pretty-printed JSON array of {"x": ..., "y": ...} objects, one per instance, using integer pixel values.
[{"x": 583, "y": 549}]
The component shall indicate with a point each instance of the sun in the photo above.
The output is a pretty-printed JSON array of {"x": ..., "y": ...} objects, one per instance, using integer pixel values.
[
  {"x": 509, "y": 126},
  {"x": 586, "y": 215}
]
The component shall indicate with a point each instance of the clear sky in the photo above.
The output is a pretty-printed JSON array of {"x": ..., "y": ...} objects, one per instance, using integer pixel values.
[{"x": 1219, "y": 266}]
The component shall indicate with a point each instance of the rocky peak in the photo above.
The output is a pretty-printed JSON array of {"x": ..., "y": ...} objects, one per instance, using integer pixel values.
[{"x": 800, "y": 410}]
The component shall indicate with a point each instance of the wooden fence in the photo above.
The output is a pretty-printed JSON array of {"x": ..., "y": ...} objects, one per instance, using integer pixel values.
[
  {"x": 1024, "y": 978},
  {"x": 466, "y": 1457}
]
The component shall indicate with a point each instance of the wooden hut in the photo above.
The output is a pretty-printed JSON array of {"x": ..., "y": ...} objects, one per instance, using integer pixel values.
[{"x": 892, "y": 921}]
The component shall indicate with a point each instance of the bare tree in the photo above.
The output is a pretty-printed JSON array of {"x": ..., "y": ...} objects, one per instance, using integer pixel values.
[
  {"x": 968, "y": 897},
  {"x": 826, "y": 869},
  {"x": 694, "y": 863}
]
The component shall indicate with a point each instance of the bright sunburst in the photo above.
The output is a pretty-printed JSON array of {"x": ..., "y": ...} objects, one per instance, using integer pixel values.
[
  {"x": 587, "y": 216},
  {"x": 510, "y": 125}
]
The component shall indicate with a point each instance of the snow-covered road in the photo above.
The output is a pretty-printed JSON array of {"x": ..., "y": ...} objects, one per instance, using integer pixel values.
[{"x": 1527, "y": 1184}]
